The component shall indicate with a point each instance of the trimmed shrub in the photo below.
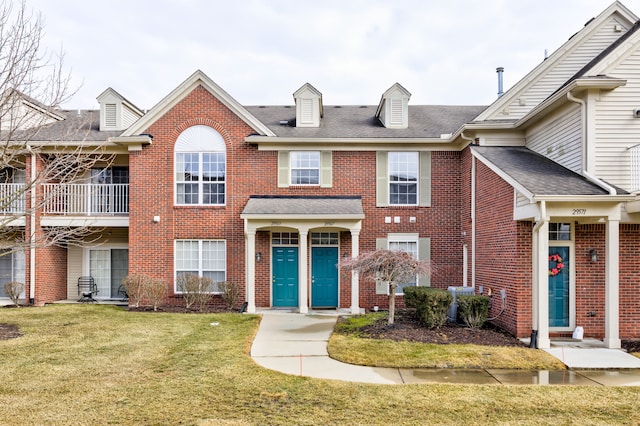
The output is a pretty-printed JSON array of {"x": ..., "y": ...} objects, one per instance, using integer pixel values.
[
  {"x": 230, "y": 293},
  {"x": 195, "y": 290},
  {"x": 13, "y": 290},
  {"x": 431, "y": 304},
  {"x": 156, "y": 292},
  {"x": 135, "y": 285},
  {"x": 473, "y": 310}
]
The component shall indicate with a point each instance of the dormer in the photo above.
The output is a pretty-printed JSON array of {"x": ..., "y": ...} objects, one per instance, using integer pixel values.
[
  {"x": 393, "y": 110},
  {"x": 308, "y": 106},
  {"x": 116, "y": 113}
]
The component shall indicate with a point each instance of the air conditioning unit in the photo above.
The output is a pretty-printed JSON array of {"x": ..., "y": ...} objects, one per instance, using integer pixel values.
[{"x": 452, "y": 313}]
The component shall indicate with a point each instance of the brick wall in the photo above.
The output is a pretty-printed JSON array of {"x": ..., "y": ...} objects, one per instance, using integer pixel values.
[{"x": 253, "y": 172}]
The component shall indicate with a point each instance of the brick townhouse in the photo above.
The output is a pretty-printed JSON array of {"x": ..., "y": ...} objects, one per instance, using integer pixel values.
[{"x": 532, "y": 199}]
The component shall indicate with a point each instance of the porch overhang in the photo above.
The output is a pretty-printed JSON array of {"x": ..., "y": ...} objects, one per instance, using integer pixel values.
[{"x": 302, "y": 214}]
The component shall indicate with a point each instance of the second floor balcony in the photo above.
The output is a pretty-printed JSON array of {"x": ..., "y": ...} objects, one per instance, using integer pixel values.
[
  {"x": 12, "y": 198},
  {"x": 86, "y": 199}
]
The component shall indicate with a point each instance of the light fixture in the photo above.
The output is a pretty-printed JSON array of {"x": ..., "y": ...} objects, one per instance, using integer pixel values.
[
  {"x": 258, "y": 256},
  {"x": 593, "y": 255},
  {"x": 345, "y": 255}
]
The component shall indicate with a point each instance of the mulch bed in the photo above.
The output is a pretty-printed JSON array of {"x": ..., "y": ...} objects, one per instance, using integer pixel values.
[{"x": 406, "y": 327}]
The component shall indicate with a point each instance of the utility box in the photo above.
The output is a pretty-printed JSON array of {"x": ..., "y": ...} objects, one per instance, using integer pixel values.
[{"x": 452, "y": 313}]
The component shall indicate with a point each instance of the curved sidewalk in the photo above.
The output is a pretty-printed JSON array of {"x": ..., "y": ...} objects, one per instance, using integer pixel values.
[{"x": 296, "y": 344}]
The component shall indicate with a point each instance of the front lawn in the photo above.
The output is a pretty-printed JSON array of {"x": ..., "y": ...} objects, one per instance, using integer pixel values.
[
  {"x": 349, "y": 345},
  {"x": 96, "y": 364}
]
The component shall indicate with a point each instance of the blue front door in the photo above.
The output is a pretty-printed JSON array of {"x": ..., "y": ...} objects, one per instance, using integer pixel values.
[
  {"x": 324, "y": 277},
  {"x": 285, "y": 276},
  {"x": 559, "y": 274}
]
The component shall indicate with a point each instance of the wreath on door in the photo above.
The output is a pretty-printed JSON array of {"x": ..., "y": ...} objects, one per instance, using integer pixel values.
[{"x": 555, "y": 264}]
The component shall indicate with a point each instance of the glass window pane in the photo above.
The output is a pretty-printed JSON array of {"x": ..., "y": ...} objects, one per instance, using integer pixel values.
[
  {"x": 305, "y": 167},
  {"x": 403, "y": 178}
]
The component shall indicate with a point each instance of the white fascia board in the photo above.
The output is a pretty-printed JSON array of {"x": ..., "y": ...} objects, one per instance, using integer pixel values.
[
  {"x": 515, "y": 184},
  {"x": 560, "y": 97},
  {"x": 302, "y": 217},
  {"x": 196, "y": 79},
  {"x": 583, "y": 198},
  {"x": 275, "y": 140}
]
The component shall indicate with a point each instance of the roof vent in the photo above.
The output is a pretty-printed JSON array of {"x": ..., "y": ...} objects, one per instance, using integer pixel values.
[{"x": 500, "y": 71}]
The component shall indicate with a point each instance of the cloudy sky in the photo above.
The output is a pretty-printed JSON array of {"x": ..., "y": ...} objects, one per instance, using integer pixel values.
[{"x": 261, "y": 51}]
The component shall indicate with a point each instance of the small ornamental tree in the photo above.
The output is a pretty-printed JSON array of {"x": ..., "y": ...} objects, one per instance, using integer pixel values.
[{"x": 392, "y": 266}]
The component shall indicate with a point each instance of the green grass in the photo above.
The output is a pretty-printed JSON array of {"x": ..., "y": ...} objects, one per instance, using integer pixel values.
[
  {"x": 84, "y": 364},
  {"x": 348, "y": 346}
]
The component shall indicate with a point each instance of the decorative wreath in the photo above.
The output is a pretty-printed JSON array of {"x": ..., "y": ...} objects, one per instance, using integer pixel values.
[{"x": 555, "y": 269}]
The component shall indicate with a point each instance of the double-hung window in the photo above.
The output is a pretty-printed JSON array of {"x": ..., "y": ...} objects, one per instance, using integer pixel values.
[
  {"x": 200, "y": 167},
  {"x": 411, "y": 247},
  {"x": 403, "y": 178},
  {"x": 205, "y": 258},
  {"x": 305, "y": 167}
]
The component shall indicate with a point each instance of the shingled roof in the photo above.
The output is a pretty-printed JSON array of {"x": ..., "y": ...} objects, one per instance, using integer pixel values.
[
  {"x": 538, "y": 174},
  {"x": 339, "y": 207},
  {"x": 352, "y": 121}
]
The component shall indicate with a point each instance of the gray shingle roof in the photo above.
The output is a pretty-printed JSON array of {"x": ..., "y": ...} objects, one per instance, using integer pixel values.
[
  {"x": 352, "y": 121},
  {"x": 538, "y": 174},
  {"x": 78, "y": 125},
  {"x": 325, "y": 206}
]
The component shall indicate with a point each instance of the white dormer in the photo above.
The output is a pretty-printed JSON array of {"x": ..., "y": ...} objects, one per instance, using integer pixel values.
[
  {"x": 116, "y": 113},
  {"x": 393, "y": 110},
  {"x": 308, "y": 106}
]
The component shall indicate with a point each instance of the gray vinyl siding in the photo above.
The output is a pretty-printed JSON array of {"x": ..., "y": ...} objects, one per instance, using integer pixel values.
[
  {"x": 617, "y": 129},
  {"x": 128, "y": 117},
  {"x": 560, "y": 138},
  {"x": 542, "y": 86},
  {"x": 74, "y": 270}
]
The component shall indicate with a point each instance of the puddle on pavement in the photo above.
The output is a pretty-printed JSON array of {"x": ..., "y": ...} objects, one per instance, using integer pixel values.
[
  {"x": 521, "y": 377},
  {"x": 443, "y": 375},
  {"x": 553, "y": 377}
]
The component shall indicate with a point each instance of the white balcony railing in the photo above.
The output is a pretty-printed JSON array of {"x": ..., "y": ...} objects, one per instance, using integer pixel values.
[
  {"x": 86, "y": 199},
  {"x": 635, "y": 168},
  {"x": 12, "y": 196}
]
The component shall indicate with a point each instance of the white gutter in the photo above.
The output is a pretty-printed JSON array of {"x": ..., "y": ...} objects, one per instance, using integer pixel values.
[{"x": 585, "y": 172}]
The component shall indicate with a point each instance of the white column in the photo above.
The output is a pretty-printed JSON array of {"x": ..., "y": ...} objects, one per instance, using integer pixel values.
[
  {"x": 541, "y": 284},
  {"x": 611, "y": 297},
  {"x": 355, "y": 286},
  {"x": 303, "y": 277},
  {"x": 250, "y": 253}
]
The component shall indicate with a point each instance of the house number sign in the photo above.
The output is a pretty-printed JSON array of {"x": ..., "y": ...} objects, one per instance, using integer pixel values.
[{"x": 578, "y": 212}]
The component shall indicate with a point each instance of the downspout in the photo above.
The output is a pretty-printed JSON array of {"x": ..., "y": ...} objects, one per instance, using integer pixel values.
[
  {"x": 473, "y": 218},
  {"x": 585, "y": 172},
  {"x": 32, "y": 227}
]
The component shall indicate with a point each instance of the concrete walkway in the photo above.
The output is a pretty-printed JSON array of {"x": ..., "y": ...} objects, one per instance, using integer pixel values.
[{"x": 296, "y": 344}]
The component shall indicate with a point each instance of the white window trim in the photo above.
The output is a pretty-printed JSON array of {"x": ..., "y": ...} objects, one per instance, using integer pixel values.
[
  {"x": 405, "y": 238},
  {"x": 200, "y": 140},
  {"x": 292, "y": 154},
  {"x": 417, "y": 181},
  {"x": 200, "y": 270}
]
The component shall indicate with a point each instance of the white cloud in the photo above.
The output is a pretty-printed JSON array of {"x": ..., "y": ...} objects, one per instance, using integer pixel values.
[{"x": 261, "y": 51}]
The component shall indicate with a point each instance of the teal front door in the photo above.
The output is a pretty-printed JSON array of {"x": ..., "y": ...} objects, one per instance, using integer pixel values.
[
  {"x": 324, "y": 277},
  {"x": 285, "y": 276},
  {"x": 559, "y": 274}
]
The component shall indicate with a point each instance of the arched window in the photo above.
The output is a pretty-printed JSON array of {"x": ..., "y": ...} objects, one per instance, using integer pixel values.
[{"x": 200, "y": 167}]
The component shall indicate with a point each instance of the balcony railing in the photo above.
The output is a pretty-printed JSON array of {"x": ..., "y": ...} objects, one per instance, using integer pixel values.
[
  {"x": 12, "y": 196},
  {"x": 635, "y": 168},
  {"x": 86, "y": 199}
]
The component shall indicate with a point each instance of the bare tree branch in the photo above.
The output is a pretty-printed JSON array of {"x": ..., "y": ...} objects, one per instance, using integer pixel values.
[{"x": 392, "y": 266}]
